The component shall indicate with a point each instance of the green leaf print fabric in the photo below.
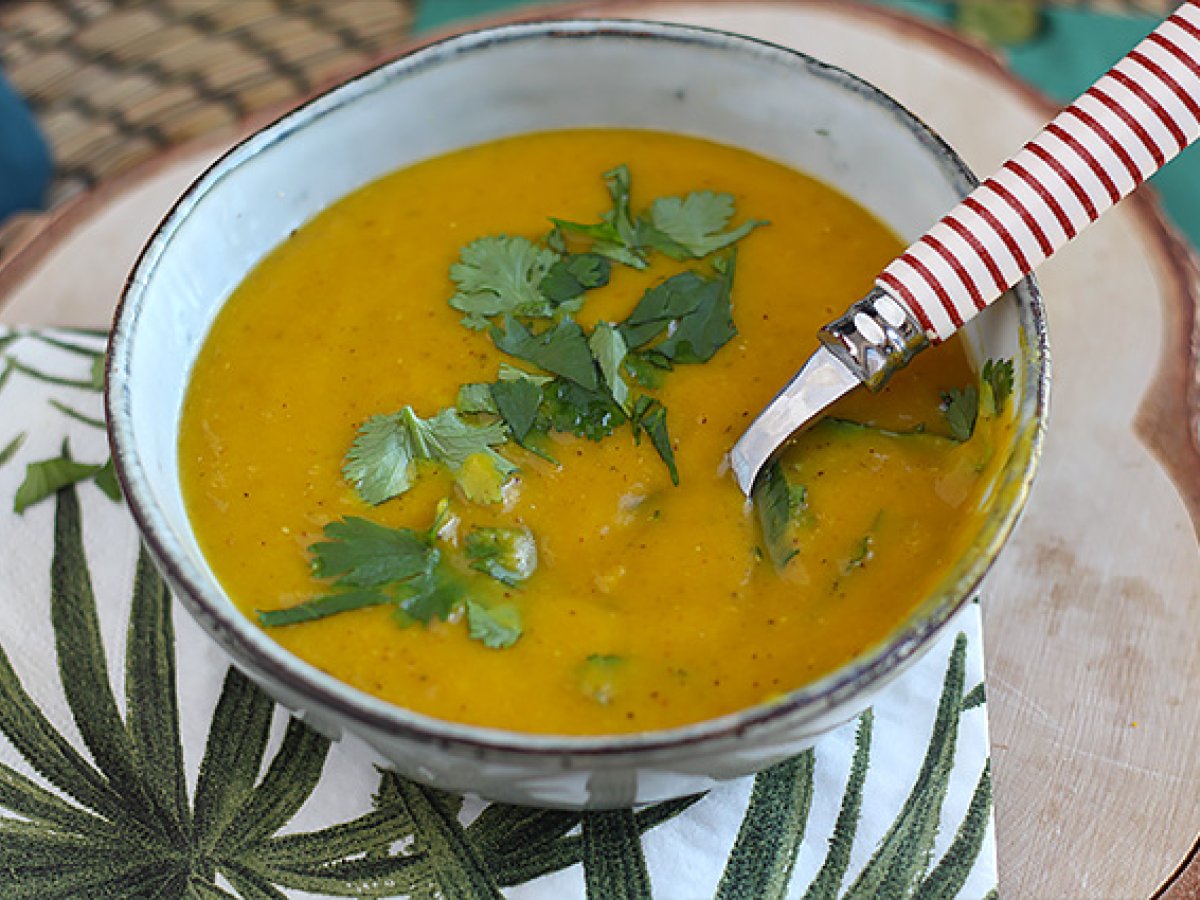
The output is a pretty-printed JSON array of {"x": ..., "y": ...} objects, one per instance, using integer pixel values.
[{"x": 135, "y": 762}]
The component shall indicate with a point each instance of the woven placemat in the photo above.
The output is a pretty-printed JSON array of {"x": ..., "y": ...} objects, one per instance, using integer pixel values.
[{"x": 113, "y": 82}]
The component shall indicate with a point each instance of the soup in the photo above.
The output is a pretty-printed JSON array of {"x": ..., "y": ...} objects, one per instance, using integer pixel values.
[{"x": 597, "y": 571}]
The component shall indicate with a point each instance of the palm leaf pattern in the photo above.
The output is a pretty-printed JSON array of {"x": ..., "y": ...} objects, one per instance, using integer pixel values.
[{"x": 117, "y": 818}]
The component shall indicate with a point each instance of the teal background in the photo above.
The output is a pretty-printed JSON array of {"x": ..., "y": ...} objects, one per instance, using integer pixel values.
[
  {"x": 1072, "y": 50},
  {"x": 24, "y": 158}
]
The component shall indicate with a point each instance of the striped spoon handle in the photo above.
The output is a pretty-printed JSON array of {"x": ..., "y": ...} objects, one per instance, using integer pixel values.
[{"x": 1124, "y": 128}]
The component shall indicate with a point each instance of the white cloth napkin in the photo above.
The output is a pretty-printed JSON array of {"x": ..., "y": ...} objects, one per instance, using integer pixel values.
[{"x": 899, "y": 803}]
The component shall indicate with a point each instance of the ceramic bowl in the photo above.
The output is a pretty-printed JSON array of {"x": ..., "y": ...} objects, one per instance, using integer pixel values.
[{"x": 472, "y": 89}]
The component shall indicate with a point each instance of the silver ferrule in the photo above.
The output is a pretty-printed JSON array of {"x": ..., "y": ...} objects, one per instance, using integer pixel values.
[{"x": 875, "y": 337}]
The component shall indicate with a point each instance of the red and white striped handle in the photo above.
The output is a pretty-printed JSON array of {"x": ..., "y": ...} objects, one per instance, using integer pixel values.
[{"x": 1128, "y": 125}]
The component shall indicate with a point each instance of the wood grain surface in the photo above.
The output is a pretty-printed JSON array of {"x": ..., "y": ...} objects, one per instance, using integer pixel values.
[{"x": 1091, "y": 618}]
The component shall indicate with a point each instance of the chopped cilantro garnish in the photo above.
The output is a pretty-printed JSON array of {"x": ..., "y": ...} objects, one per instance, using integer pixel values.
[
  {"x": 321, "y": 607},
  {"x": 778, "y": 503},
  {"x": 608, "y": 347},
  {"x": 373, "y": 565},
  {"x": 615, "y": 236},
  {"x": 501, "y": 275},
  {"x": 696, "y": 313},
  {"x": 507, "y": 554},
  {"x": 573, "y": 274},
  {"x": 960, "y": 406},
  {"x": 693, "y": 226},
  {"x": 562, "y": 349},
  {"x": 998, "y": 376},
  {"x": 360, "y": 553},
  {"x": 574, "y": 410},
  {"x": 650, "y": 416},
  {"x": 496, "y": 626},
  {"x": 517, "y": 403},
  {"x": 381, "y": 463},
  {"x": 682, "y": 228}
]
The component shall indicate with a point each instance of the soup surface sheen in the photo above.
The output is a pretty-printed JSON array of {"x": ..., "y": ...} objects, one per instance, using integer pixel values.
[{"x": 652, "y": 605}]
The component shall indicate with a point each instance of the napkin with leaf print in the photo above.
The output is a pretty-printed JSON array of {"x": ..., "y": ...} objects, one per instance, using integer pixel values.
[{"x": 135, "y": 762}]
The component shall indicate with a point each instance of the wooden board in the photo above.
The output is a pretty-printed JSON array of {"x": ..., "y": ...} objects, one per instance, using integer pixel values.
[{"x": 1091, "y": 618}]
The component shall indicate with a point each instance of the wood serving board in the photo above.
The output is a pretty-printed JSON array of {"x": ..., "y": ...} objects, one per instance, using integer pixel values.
[{"x": 1092, "y": 618}]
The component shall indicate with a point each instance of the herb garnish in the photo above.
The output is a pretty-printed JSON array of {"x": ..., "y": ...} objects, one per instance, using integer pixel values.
[
  {"x": 419, "y": 575},
  {"x": 525, "y": 294}
]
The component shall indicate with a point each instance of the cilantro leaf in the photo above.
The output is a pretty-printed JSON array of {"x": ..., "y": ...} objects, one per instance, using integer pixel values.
[
  {"x": 573, "y": 274},
  {"x": 475, "y": 398},
  {"x": 693, "y": 225},
  {"x": 650, "y": 416},
  {"x": 434, "y": 595},
  {"x": 507, "y": 554},
  {"x": 695, "y": 311},
  {"x": 382, "y": 461},
  {"x": 360, "y": 553},
  {"x": 501, "y": 275},
  {"x": 961, "y": 408},
  {"x": 575, "y": 410},
  {"x": 608, "y": 347},
  {"x": 562, "y": 349},
  {"x": 998, "y": 374},
  {"x": 496, "y": 626},
  {"x": 615, "y": 236},
  {"x": 662, "y": 304},
  {"x": 773, "y": 503},
  {"x": 517, "y": 402},
  {"x": 320, "y": 608}
]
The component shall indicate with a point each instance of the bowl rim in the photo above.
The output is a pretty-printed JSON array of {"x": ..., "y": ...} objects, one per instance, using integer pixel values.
[{"x": 251, "y": 648}]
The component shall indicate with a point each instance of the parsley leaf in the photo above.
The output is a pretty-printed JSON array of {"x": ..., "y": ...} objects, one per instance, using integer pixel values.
[
  {"x": 961, "y": 408},
  {"x": 608, "y": 347},
  {"x": 496, "y": 626},
  {"x": 363, "y": 554},
  {"x": 320, "y": 608},
  {"x": 507, "y": 554},
  {"x": 562, "y": 349},
  {"x": 573, "y": 274},
  {"x": 693, "y": 225},
  {"x": 501, "y": 275},
  {"x": 650, "y": 416},
  {"x": 382, "y": 461}
]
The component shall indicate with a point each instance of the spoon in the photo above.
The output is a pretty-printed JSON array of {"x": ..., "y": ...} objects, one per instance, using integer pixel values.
[{"x": 1123, "y": 129}]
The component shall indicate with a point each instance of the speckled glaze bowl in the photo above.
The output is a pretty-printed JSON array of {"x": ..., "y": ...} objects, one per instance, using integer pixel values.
[{"x": 464, "y": 91}]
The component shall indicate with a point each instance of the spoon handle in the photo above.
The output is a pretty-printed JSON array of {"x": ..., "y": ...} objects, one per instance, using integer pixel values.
[{"x": 1124, "y": 128}]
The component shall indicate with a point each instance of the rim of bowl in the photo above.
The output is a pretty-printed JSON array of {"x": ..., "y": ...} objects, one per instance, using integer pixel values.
[{"x": 251, "y": 647}]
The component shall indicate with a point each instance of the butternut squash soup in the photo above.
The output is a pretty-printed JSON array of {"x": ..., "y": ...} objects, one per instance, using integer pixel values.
[{"x": 460, "y": 440}]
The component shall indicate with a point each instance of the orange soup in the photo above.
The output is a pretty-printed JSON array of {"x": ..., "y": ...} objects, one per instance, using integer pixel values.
[{"x": 472, "y": 461}]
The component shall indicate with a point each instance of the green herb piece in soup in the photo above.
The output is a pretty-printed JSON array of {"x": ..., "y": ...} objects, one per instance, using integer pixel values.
[
  {"x": 360, "y": 553},
  {"x": 382, "y": 461},
  {"x": 960, "y": 406},
  {"x": 781, "y": 506},
  {"x": 650, "y": 416},
  {"x": 562, "y": 349},
  {"x": 501, "y": 276},
  {"x": 496, "y": 626},
  {"x": 508, "y": 555},
  {"x": 574, "y": 274},
  {"x": 693, "y": 227}
]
